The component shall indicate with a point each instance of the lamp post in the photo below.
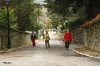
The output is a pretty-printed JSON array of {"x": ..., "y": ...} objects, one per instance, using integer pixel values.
[{"x": 9, "y": 42}]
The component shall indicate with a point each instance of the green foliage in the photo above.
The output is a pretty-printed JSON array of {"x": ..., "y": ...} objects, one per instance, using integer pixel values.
[
  {"x": 12, "y": 17},
  {"x": 23, "y": 10},
  {"x": 72, "y": 24},
  {"x": 59, "y": 6},
  {"x": 23, "y": 15},
  {"x": 80, "y": 9},
  {"x": 3, "y": 16},
  {"x": 27, "y": 13},
  {"x": 35, "y": 24},
  {"x": 55, "y": 20}
]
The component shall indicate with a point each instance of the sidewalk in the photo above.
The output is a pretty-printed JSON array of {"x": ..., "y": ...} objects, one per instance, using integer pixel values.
[
  {"x": 8, "y": 50},
  {"x": 87, "y": 52},
  {"x": 84, "y": 51}
]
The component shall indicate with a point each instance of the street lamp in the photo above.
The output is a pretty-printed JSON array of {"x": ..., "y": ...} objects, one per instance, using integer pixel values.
[{"x": 9, "y": 42}]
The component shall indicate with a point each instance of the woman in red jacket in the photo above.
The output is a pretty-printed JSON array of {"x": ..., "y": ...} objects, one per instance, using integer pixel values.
[{"x": 67, "y": 39}]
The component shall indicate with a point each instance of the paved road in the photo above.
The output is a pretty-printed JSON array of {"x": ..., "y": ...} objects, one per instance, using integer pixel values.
[{"x": 41, "y": 56}]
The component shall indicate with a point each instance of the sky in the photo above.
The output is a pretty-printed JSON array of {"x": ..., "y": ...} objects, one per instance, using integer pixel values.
[{"x": 39, "y": 1}]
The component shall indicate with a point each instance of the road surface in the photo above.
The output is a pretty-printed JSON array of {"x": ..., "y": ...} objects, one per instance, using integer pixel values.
[{"x": 57, "y": 55}]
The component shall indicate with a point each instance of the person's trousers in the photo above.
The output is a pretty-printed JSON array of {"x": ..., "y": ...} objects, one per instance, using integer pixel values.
[
  {"x": 67, "y": 45},
  {"x": 47, "y": 43},
  {"x": 33, "y": 42}
]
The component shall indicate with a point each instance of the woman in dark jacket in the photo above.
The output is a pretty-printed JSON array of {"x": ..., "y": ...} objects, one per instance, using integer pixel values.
[{"x": 33, "y": 37}]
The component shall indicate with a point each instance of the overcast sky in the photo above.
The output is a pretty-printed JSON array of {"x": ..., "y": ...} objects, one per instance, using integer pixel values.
[{"x": 39, "y": 1}]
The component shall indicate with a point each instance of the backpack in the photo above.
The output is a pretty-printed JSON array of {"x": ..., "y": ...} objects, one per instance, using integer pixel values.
[{"x": 33, "y": 36}]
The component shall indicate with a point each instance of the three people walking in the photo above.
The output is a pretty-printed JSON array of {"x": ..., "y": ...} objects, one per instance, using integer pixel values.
[{"x": 67, "y": 39}]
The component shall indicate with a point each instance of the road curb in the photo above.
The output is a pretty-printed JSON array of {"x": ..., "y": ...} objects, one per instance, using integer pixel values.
[
  {"x": 5, "y": 51},
  {"x": 86, "y": 54}
]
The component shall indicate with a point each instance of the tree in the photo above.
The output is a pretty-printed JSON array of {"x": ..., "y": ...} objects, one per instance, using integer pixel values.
[
  {"x": 23, "y": 14},
  {"x": 55, "y": 20},
  {"x": 23, "y": 10},
  {"x": 3, "y": 17},
  {"x": 82, "y": 9},
  {"x": 59, "y": 7},
  {"x": 27, "y": 12}
]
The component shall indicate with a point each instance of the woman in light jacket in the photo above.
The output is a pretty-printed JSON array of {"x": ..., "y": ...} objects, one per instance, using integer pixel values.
[{"x": 47, "y": 38}]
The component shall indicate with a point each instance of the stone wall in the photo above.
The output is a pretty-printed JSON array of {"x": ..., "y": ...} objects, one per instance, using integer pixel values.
[
  {"x": 89, "y": 37},
  {"x": 92, "y": 37},
  {"x": 77, "y": 35},
  {"x": 17, "y": 38}
]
